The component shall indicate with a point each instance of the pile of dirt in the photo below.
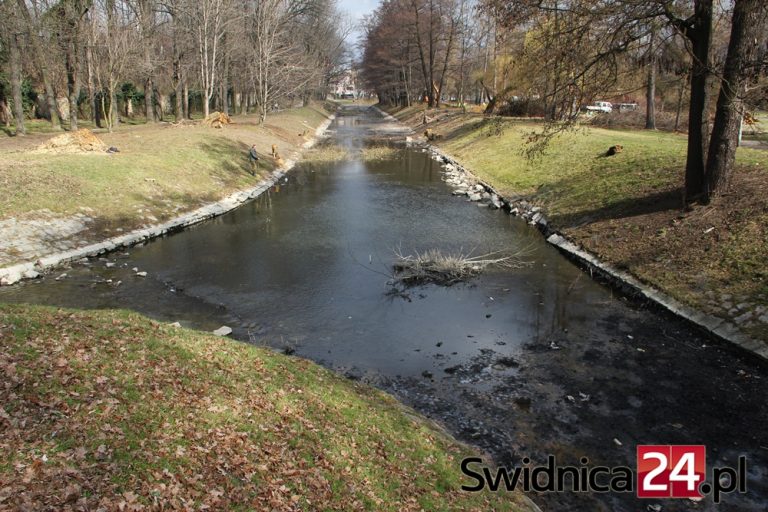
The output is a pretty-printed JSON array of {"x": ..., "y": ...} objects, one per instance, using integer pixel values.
[
  {"x": 217, "y": 120},
  {"x": 80, "y": 141}
]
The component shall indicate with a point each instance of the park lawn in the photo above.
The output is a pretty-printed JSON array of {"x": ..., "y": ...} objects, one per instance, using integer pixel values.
[
  {"x": 161, "y": 170},
  {"x": 628, "y": 208},
  {"x": 110, "y": 409}
]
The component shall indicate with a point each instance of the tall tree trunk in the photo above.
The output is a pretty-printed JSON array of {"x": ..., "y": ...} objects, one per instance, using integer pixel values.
[
  {"x": 225, "y": 78},
  {"x": 149, "y": 93},
  {"x": 420, "y": 45},
  {"x": 679, "y": 111},
  {"x": 700, "y": 36},
  {"x": 18, "y": 100},
  {"x": 185, "y": 100},
  {"x": 432, "y": 50},
  {"x": 158, "y": 105},
  {"x": 5, "y": 110},
  {"x": 108, "y": 113},
  {"x": 41, "y": 63},
  {"x": 114, "y": 112},
  {"x": 552, "y": 115},
  {"x": 146, "y": 21},
  {"x": 178, "y": 110},
  {"x": 650, "y": 89},
  {"x": 92, "y": 101},
  {"x": 747, "y": 26},
  {"x": 72, "y": 65},
  {"x": 448, "y": 48}
]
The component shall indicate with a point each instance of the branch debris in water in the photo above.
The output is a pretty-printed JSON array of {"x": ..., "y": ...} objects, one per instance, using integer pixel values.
[{"x": 432, "y": 266}]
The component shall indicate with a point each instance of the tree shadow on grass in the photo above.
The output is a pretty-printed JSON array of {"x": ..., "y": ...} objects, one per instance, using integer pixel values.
[
  {"x": 232, "y": 155},
  {"x": 463, "y": 129},
  {"x": 654, "y": 202},
  {"x": 484, "y": 129}
]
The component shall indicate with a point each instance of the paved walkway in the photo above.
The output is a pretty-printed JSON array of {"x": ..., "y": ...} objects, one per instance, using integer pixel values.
[{"x": 29, "y": 239}]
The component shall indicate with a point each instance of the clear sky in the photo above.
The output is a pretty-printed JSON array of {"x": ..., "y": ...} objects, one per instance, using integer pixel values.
[{"x": 357, "y": 9}]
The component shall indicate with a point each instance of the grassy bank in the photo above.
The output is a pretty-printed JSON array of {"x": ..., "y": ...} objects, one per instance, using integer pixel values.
[
  {"x": 627, "y": 208},
  {"x": 162, "y": 169},
  {"x": 110, "y": 409}
]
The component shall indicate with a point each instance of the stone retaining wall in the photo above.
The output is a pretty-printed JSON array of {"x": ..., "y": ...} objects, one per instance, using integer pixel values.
[
  {"x": 30, "y": 270},
  {"x": 480, "y": 191}
]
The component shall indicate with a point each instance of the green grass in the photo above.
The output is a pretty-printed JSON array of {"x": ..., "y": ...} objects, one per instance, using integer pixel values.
[
  {"x": 573, "y": 176},
  {"x": 161, "y": 169},
  {"x": 179, "y": 165},
  {"x": 628, "y": 208},
  {"x": 139, "y": 412}
]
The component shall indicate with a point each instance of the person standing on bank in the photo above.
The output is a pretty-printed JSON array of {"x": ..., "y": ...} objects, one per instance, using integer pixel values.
[{"x": 253, "y": 159}]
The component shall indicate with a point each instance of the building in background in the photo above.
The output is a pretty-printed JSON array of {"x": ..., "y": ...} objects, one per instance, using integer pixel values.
[{"x": 345, "y": 87}]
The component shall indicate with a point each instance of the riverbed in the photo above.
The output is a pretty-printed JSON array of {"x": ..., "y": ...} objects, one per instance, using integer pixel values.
[{"x": 528, "y": 361}]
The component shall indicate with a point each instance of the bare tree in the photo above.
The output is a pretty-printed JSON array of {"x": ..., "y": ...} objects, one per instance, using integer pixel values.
[
  {"x": 697, "y": 28},
  {"x": 69, "y": 22},
  {"x": 12, "y": 41},
  {"x": 650, "y": 88},
  {"x": 32, "y": 26},
  {"x": 741, "y": 65},
  {"x": 145, "y": 11},
  {"x": 210, "y": 19},
  {"x": 279, "y": 61},
  {"x": 115, "y": 50},
  {"x": 231, "y": 53}
]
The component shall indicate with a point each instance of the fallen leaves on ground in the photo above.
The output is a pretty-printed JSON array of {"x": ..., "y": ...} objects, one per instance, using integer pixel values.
[{"x": 112, "y": 411}]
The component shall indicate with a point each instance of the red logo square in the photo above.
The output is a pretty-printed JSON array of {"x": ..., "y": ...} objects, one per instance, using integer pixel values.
[{"x": 670, "y": 471}]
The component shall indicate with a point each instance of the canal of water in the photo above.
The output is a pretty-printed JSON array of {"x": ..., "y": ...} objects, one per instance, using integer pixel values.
[{"x": 520, "y": 362}]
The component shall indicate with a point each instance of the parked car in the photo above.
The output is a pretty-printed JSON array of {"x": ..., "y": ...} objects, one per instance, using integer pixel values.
[
  {"x": 627, "y": 107},
  {"x": 601, "y": 106}
]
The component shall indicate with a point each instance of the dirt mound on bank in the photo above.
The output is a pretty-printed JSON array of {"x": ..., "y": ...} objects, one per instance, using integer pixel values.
[
  {"x": 217, "y": 120},
  {"x": 80, "y": 141}
]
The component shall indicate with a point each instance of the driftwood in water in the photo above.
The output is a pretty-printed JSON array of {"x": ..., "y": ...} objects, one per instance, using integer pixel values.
[{"x": 433, "y": 266}]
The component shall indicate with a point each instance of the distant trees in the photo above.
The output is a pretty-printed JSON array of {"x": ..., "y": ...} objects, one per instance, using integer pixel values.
[
  {"x": 209, "y": 19},
  {"x": 31, "y": 19},
  {"x": 551, "y": 57},
  {"x": 9, "y": 41},
  {"x": 407, "y": 35},
  {"x": 176, "y": 56}
]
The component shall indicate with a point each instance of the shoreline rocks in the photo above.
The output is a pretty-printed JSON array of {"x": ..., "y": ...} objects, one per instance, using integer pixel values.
[
  {"x": 11, "y": 275},
  {"x": 475, "y": 190}
]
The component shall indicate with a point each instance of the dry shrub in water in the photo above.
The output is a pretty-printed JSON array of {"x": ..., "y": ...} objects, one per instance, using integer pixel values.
[{"x": 433, "y": 266}]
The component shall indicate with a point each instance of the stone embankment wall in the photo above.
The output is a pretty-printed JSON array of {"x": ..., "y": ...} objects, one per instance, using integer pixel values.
[{"x": 51, "y": 238}]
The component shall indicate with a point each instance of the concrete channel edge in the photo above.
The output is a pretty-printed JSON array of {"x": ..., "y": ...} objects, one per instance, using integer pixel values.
[
  {"x": 718, "y": 327},
  {"x": 29, "y": 270}
]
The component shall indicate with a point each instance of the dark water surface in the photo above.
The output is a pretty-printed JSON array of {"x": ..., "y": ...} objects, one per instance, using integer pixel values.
[{"x": 524, "y": 362}]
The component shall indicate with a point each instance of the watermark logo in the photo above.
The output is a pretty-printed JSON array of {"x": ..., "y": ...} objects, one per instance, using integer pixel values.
[
  {"x": 680, "y": 471},
  {"x": 666, "y": 471},
  {"x": 662, "y": 471}
]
